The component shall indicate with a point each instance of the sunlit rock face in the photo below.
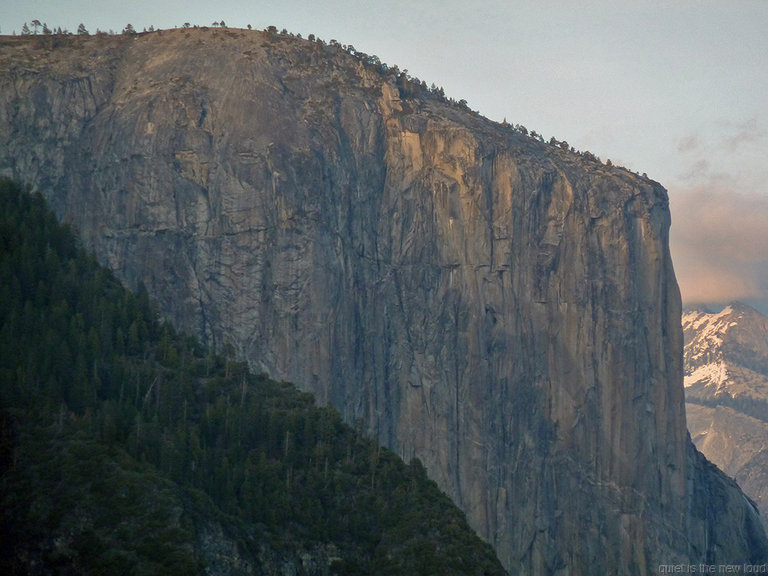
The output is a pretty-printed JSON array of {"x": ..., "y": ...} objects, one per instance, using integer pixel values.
[{"x": 501, "y": 308}]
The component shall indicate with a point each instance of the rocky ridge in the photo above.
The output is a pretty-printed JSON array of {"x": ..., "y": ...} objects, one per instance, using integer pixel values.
[
  {"x": 726, "y": 380},
  {"x": 504, "y": 309},
  {"x": 726, "y": 354}
]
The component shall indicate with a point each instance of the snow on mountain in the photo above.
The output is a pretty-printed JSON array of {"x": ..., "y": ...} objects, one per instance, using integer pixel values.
[
  {"x": 704, "y": 333},
  {"x": 726, "y": 387},
  {"x": 725, "y": 353}
]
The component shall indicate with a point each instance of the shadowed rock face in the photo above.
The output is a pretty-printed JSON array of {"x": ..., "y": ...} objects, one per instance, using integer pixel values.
[{"x": 500, "y": 308}]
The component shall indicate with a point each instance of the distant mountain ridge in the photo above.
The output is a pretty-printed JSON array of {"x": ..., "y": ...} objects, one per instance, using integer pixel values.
[
  {"x": 726, "y": 383},
  {"x": 725, "y": 358}
]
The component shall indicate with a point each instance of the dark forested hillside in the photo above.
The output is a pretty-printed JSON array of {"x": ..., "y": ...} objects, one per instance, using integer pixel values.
[{"x": 128, "y": 448}]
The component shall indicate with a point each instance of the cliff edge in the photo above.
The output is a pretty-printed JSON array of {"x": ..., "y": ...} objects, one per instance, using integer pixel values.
[{"x": 501, "y": 308}]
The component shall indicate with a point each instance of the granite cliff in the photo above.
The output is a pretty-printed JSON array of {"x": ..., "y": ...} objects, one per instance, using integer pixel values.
[{"x": 502, "y": 308}]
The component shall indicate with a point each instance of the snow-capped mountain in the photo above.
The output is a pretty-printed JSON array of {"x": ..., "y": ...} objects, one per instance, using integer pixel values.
[
  {"x": 726, "y": 355},
  {"x": 726, "y": 385}
]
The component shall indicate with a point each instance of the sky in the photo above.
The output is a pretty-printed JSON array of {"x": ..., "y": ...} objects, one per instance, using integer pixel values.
[{"x": 677, "y": 89}]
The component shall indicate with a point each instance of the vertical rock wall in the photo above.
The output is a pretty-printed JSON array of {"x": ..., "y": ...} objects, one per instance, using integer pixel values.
[{"x": 502, "y": 309}]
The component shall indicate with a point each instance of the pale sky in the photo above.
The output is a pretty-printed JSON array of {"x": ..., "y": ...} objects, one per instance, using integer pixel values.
[{"x": 675, "y": 88}]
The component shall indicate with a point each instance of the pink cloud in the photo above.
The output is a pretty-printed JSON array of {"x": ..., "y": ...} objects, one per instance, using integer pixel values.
[{"x": 719, "y": 243}]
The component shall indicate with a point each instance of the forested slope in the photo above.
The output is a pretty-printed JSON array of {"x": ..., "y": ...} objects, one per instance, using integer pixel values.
[{"x": 128, "y": 448}]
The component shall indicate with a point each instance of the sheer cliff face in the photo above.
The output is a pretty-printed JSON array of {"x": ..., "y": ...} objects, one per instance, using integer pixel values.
[{"x": 500, "y": 308}]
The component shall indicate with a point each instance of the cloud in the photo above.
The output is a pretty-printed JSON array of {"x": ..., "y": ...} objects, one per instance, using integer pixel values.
[
  {"x": 747, "y": 133},
  {"x": 718, "y": 241},
  {"x": 696, "y": 170},
  {"x": 688, "y": 144},
  {"x": 738, "y": 147}
]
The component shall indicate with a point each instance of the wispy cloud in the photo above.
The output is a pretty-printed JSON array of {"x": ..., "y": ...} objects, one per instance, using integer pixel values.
[
  {"x": 738, "y": 144},
  {"x": 688, "y": 144},
  {"x": 747, "y": 133}
]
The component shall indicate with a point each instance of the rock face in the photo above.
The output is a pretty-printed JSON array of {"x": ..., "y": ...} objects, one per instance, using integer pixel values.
[
  {"x": 737, "y": 444},
  {"x": 501, "y": 308},
  {"x": 726, "y": 381}
]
